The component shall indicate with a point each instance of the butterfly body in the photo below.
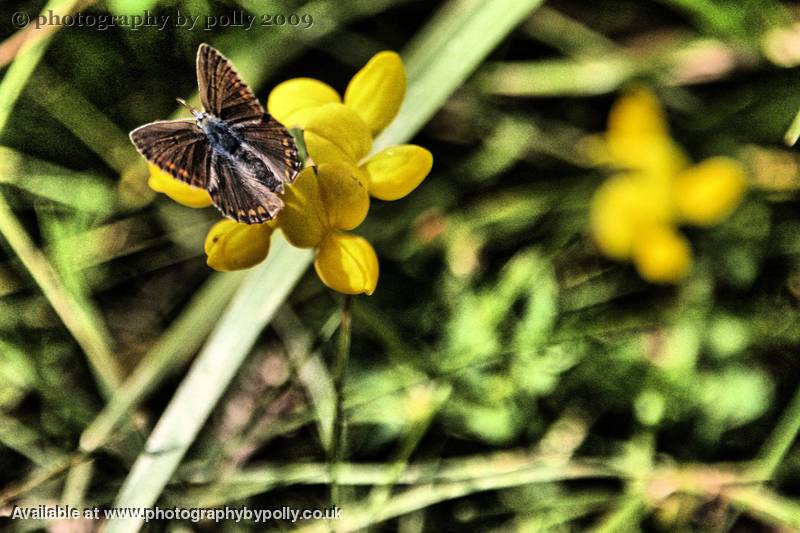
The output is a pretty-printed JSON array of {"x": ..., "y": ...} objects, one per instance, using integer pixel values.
[
  {"x": 227, "y": 144},
  {"x": 242, "y": 156},
  {"x": 222, "y": 139}
]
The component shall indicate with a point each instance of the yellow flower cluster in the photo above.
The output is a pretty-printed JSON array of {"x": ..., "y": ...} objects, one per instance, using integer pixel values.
[
  {"x": 635, "y": 213},
  {"x": 332, "y": 197}
]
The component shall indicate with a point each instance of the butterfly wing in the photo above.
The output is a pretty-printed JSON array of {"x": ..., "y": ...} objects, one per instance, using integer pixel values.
[
  {"x": 273, "y": 144},
  {"x": 240, "y": 193},
  {"x": 222, "y": 91},
  {"x": 176, "y": 147}
]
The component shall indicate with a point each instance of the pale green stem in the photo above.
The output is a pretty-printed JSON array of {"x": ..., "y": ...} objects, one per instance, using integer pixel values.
[{"x": 342, "y": 355}]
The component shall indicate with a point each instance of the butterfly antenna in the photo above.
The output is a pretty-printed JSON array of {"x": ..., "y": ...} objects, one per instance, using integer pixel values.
[{"x": 195, "y": 112}]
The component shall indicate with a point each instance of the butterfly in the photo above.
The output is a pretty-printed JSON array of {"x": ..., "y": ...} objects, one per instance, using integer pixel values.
[{"x": 236, "y": 151}]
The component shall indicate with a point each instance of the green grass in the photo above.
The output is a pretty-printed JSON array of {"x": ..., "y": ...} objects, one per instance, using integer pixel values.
[{"x": 504, "y": 376}]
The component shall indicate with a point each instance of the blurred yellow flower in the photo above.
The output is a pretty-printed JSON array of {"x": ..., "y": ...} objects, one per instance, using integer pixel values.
[
  {"x": 332, "y": 197},
  {"x": 634, "y": 214},
  {"x": 638, "y": 137}
]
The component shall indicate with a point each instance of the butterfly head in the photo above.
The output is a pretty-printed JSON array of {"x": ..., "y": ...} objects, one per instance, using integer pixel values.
[{"x": 197, "y": 114}]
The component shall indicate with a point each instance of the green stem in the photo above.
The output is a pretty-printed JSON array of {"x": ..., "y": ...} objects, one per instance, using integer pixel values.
[
  {"x": 342, "y": 355},
  {"x": 780, "y": 440}
]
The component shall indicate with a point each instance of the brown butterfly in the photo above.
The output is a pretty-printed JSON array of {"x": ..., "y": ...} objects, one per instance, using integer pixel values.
[{"x": 233, "y": 149}]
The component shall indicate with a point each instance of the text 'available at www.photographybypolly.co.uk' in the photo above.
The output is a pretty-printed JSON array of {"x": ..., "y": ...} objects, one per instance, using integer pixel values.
[
  {"x": 192, "y": 514},
  {"x": 149, "y": 20}
]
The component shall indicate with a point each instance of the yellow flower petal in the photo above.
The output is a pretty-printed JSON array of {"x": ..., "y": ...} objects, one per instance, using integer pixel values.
[
  {"x": 621, "y": 207},
  {"x": 396, "y": 171},
  {"x": 347, "y": 264},
  {"x": 377, "y": 90},
  {"x": 294, "y": 101},
  {"x": 179, "y": 191},
  {"x": 330, "y": 197},
  {"x": 232, "y": 245},
  {"x": 344, "y": 197},
  {"x": 638, "y": 137},
  {"x": 662, "y": 255},
  {"x": 659, "y": 157},
  {"x": 637, "y": 113},
  {"x": 336, "y": 133},
  {"x": 301, "y": 217},
  {"x": 708, "y": 192}
]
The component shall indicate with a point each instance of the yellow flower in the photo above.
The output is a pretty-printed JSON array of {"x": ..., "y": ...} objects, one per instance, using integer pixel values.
[
  {"x": 662, "y": 255},
  {"x": 231, "y": 245},
  {"x": 634, "y": 213},
  {"x": 336, "y": 133},
  {"x": 337, "y": 129},
  {"x": 324, "y": 202},
  {"x": 179, "y": 191},
  {"x": 332, "y": 197},
  {"x": 323, "y": 199},
  {"x": 294, "y": 101}
]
